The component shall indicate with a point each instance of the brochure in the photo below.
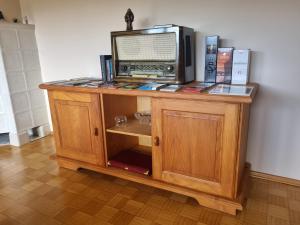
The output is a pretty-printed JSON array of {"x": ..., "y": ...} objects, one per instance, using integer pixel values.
[{"x": 226, "y": 89}]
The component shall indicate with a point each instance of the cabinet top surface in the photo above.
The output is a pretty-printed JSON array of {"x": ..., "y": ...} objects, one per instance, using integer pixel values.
[{"x": 159, "y": 94}]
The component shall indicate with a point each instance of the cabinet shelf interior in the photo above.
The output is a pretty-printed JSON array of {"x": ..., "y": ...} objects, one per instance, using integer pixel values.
[
  {"x": 136, "y": 160},
  {"x": 133, "y": 127},
  {"x": 129, "y": 147}
]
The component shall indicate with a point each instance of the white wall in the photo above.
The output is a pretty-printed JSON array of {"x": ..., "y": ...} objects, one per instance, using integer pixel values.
[
  {"x": 71, "y": 34},
  {"x": 10, "y": 9}
]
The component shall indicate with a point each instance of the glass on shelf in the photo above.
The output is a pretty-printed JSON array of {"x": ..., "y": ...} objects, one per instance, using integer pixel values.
[
  {"x": 143, "y": 117},
  {"x": 121, "y": 121}
]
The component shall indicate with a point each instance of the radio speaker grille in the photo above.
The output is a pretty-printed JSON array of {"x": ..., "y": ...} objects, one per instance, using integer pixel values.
[{"x": 147, "y": 47}]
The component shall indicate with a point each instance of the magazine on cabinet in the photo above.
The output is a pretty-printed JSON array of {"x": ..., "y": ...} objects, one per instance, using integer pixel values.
[{"x": 226, "y": 89}]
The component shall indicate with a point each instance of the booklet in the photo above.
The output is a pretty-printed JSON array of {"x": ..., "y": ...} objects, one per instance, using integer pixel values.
[
  {"x": 226, "y": 89},
  {"x": 93, "y": 84},
  {"x": 131, "y": 86},
  {"x": 171, "y": 88},
  {"x": 151, "y": 87},
  {"x": 196, "y": 88},
  {"x": 113, "y": 85}
]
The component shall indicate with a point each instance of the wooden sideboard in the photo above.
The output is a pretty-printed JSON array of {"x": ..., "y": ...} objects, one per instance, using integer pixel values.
[{"x": 197, "y": 141}]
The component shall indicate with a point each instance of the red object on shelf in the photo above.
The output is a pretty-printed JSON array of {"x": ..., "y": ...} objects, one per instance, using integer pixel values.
[
  {"x": 132, "y": 161},
  {"x": 192, "y": 89}
]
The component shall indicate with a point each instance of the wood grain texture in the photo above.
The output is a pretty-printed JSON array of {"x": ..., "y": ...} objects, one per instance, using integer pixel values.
[
  {"x": 196, "y": 153},
  {"x": 198, "y": 144},
  {"x": 242, "y": 145},
  {"x": 74, "y": 134},
  {"x": 214, "y": 202},
  {"x": 116, "y": 105},
  {"x": 77, "y": 126},
  {"x": 112, "y": 106},
  {"x": 132, "y": 128},
  {"x": 144, "y": 104},
  {"x": 118, "y": 142},
  {"x": 199, "y": 147},
  {"x": 274, "y": 178},
  {"x": 34, "y": 190},
  {"x": 73, "y": 96}
]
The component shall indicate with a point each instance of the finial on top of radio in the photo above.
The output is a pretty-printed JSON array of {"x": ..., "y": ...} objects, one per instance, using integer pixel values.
[{"x": 129, "y": 18}]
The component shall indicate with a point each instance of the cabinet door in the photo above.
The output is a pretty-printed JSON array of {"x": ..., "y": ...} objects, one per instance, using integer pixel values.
[
  {"x": 77, "y": 126},
  {"x": 195, "y": 144}
]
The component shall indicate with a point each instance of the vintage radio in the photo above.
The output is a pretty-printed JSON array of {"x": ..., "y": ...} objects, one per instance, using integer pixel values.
[{"x": 163, "y": 54}]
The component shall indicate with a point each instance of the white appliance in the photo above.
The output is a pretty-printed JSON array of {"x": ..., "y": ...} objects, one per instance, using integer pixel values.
[{"x": 23, "y": 103}]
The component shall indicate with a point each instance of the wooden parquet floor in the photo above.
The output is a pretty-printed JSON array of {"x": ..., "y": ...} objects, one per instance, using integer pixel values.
[{"x": 34, "y": 191}]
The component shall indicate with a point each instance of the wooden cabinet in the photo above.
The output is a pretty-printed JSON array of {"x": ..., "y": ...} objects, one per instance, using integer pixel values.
[
  {"x": 195, "y": 144},
  {"x": 77, "y": 126}
]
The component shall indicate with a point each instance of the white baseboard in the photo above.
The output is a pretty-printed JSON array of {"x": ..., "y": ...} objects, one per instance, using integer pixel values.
[
  {"x": 23, "y": 138},
  {"x": 274, "y": 178}
]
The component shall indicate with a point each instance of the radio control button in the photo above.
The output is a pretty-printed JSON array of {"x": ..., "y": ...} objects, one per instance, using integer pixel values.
[
  {"x": 124, "y": 68},
  {"x": 170, "y": 68}
]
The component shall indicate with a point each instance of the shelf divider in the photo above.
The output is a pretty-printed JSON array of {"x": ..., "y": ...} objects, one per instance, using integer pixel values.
[{"x": 132, "y": 128}]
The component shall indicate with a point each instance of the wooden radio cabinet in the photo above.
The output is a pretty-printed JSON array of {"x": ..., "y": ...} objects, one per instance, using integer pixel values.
[{"x": 197, "y": 141}]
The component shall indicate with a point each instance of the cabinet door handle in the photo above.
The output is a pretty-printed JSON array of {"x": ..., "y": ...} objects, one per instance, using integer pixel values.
[
  {"x": 156, "y": 141},
  {"x": 96, "y": 131}
]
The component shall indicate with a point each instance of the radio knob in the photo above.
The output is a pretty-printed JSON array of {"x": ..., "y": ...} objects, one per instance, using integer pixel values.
[
  {"x": 170, "y": 68},
  {"x": 124, "y": 68}
]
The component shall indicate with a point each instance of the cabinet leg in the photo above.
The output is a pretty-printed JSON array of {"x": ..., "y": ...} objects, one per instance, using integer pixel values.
[
  {"x": 218, "y": 204},
  {"x": 68, "y": 165}
]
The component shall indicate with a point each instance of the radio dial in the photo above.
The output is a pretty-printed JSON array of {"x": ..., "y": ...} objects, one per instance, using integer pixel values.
[
  {"x": 170, "y": 68},
  {"x": 124, "y": 68}
]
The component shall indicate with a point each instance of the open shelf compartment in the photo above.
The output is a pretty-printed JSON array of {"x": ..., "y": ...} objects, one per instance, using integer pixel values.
[
  {"x": 128, "y": 147},
  {"x": 133, "y": 127},
  {"x": 132, "y": 160}
]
